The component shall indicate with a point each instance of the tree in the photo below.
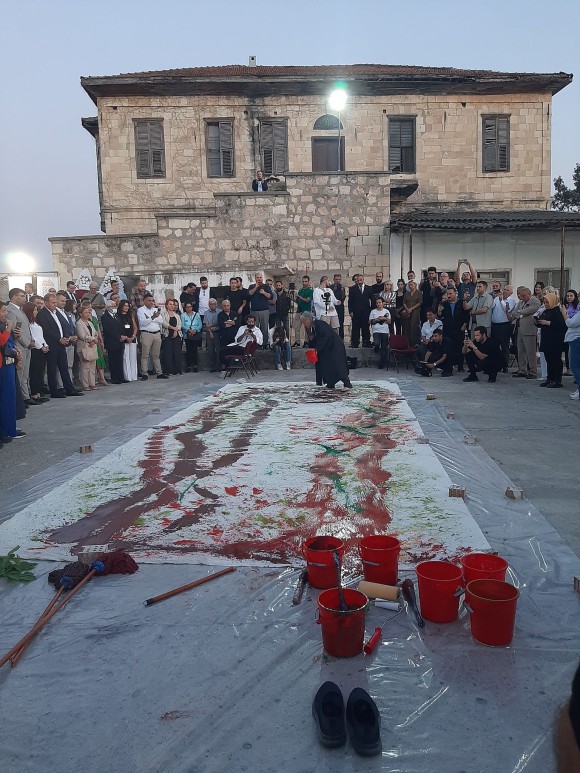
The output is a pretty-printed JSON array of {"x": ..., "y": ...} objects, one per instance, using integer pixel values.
[{"x": 567, "y": 199}]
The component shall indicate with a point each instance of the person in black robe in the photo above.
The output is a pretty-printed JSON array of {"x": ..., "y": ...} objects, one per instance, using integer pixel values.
[
  {"x": 114, "y": 342},
  {"x": 331, "y": 366}
]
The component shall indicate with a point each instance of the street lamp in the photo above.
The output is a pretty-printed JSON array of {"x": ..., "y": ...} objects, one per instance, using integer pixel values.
[
  {"x": 337, "y": 101},
  {"x": 20, "y": 263}
]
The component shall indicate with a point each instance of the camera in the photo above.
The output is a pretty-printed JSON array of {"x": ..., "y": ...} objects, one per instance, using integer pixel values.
[
  {"x": 467, "y": 335},
  {"x": 292, "y": 286}
]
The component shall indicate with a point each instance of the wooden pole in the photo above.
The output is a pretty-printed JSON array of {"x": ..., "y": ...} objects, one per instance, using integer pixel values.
[{"x": 189, "y": 585}]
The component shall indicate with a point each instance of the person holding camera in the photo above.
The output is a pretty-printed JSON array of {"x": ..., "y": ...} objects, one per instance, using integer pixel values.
[
  {"x": 259, "y": 295},
  {"x": 440, "y": 353},
  {"x": 148, "y": 319},
  {"x": 248, "y": 338},
  {"x": 281, "y": 345},
  {"x": 380, "y": 320},
  {"x": 482, "y": 354},
  {"x": 465, "y": 281},
  {"x": 325, "y": 302}
]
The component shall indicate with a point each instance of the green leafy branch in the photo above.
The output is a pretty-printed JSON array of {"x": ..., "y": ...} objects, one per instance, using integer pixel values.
[{"x": 16, "y": 569}]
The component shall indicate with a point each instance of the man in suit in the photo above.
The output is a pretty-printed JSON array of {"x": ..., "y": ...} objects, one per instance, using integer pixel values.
[
  {"x": 455, "y": 320},
  {"x": 69, "y": 329},
  {"x": 22, "y": 339},
  {"x": 527, "y": 335},
  {"x": 50, "y": 321},
  {"x": 360, "y": 302},
  {"x": 114, "y": 342},
  {"x": 70, "y": 292}
]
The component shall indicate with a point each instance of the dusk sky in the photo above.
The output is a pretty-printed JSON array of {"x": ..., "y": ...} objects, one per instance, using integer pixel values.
[{"x": 49, "y": 181}]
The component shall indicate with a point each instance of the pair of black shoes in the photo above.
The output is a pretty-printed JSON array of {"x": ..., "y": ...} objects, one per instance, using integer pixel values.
[{"x": 361, "y": 718}]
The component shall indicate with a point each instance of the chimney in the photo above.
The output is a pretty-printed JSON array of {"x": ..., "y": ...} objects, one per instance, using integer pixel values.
[{"x": 251, "y": 61}]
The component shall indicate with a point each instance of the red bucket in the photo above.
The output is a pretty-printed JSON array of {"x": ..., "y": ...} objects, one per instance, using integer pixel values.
[
  {"x": 380, "y": 558},
  {"x": 492, "y": 607},
  {"x": 438, "y": 582},
  {"x": 343, "y": 633},
  {"x": 312, "y": 355},
  {"x": 482, "y": 566},
  {"x": 319, "y": 554}
]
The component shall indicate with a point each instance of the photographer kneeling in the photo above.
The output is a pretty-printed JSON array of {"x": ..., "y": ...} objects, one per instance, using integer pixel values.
[
  {"x": 482, "y": 354},
  {"x": 440, "y": 353}
]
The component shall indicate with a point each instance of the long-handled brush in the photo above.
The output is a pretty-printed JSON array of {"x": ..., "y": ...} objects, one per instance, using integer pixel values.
[
  {"x": 116, "y": 562},
  {"x": 64, "y": 579}
]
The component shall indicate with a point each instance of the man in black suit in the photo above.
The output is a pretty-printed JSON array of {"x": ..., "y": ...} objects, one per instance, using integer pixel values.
[
  {"x": 56, "y": 359},
  {"x": 455, "y": 321},
  {"x": 360, "y": 302},
  {"x": 114, "y": 342}
]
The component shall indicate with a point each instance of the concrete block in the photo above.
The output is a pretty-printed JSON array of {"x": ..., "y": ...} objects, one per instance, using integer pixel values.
[{"x": 457, "y": 491}]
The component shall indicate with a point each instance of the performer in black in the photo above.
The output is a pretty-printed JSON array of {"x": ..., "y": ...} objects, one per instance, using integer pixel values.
[{"x": 331, "y": 366}]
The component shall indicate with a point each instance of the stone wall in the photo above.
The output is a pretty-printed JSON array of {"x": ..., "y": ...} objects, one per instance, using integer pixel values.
[
  {"x": 448, "y": 149},
  {"x": 321, "y": 223}
]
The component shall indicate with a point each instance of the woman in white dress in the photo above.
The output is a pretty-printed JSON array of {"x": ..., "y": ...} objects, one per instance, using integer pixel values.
[{"x": 127, "y": 319}]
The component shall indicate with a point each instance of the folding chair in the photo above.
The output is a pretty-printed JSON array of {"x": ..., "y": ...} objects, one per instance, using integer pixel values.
[
  {"x": 399, "y": 349},
  {"x": 246, "y": 362}
]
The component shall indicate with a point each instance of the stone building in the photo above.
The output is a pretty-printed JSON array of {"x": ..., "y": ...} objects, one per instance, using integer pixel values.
[{"x": 177, "y": 152}]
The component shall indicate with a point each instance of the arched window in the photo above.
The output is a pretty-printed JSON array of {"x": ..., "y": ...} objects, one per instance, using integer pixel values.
[{"x": 327, "y": 123}]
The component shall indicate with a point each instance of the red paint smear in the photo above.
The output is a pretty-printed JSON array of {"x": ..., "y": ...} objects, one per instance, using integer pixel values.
[
  {"x": 185, "y": 542},
  {"x": 232, "y": 491},
  {"x": 260, "y": 504},
  {"x": 216, "y": 532},
  {"x": 257, "y": 490}
]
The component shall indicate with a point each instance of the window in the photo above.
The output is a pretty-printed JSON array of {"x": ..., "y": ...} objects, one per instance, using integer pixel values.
[
  {"x": 220, "y": 148},
  {"x": 325, "y": 154},
  {"x": 274, "y": 146},
  {"x": 327, "y": 123},
  {"x": 496, "y": 143},
  {"x": 494, "y": 275},
  {"x": 149, "y": 149},
  {"x": 551, "y": 276},
  {"x": 402, "y": 144}
]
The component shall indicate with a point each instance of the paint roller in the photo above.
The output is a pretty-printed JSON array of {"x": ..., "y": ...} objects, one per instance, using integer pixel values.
[{"x": 375, "y": 590}]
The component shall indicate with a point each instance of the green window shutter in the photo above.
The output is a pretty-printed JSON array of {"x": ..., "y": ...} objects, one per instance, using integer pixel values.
[{"x": 149, "y": 149}]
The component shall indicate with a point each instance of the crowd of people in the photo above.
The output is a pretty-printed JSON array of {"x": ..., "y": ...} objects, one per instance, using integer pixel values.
[{"x": 60, "y": 345}]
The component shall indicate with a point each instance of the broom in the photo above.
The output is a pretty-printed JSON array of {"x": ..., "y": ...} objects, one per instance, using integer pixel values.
[
  {"x": 116, "y": 562},
  {"x": 64, "y": 579}
]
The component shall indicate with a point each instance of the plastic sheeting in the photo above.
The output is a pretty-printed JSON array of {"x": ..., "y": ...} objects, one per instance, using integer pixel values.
[{"x": 222, "y": 677}]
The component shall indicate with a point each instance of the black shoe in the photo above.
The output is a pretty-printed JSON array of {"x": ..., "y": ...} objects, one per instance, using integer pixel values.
[
  {"x": 347, "y": 384},
  {"x": 41, "y": 400},
  {"x": 446, "y": 374},
  {"x": 554, "y": 385},
  {"x": 364, "y": 723},
  {"x": 471, "y": 377},
  {"x": 31, "y": 402},
  {"x": 328, "y": 713},
  {"x": 380, "y": 367},
  {"x": 461, "y": 369},
  {"x": 75, "y": 393},
  {"x": 367, "y": 345},
  {"x": 544, "y": 383},
  {"x": 19, "y": 434},
  {"x": 144, "y": 378},
  {"x": 162, "y": 375},
  {"x": 295, "y": 344},
  {"x": 305, "y": 346},
  {"x": 5, "y": 439},
  {"x": 492, "y": 379},
  {"x": 504, "y": 370},
  {"x": 125, "y": 381},
  {"x": 116, "y": 382},
  {"x": 58, "y": 394},
  {"x": 518, "y": 375},
  {"x": 195, "y": 369}
]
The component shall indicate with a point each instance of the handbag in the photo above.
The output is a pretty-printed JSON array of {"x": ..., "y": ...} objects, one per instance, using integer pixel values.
[
  {"x": 196, "y": 338},
  {"x": 88, "y": 353}
]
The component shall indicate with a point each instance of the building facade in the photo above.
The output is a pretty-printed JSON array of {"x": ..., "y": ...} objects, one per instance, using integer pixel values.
[{"x": 177, "y": 152}]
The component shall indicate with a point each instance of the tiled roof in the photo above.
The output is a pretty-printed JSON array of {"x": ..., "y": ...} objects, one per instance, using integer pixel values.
[
  {"x": 485, "y": 220},
  {"x": 265, "y": 71}
]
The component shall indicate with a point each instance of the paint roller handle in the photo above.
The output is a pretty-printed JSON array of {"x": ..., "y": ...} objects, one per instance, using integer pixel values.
[
  {"x": 170, "y": 593},
  {"x": 370, "y": 646},
  {"x": 300, "y": 585}
]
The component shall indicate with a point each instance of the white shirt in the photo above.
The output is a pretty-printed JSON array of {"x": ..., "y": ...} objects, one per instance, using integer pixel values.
[
  {"x": 204, "y": 296},
  {"x": 243, "y": 338},
  {"x": 498, "y": 314},
  {"x": 380, "y": 327},
  {"x": 37, "y": 335},
  {"x": 320, "y": 307},
  {"x": 145, "y": 321},
  {"x": 57, "y": 320},
  {"x": 427, "y": 329}
]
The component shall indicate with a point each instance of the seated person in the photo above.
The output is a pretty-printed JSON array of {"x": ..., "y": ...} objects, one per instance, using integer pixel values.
[
  {"x": 259, "y": 184},
  {"x": 227, "y": 326},
  {"x": 427, "y": 328},
  {"x": 278, "y": 340},
  {"x": 482, "y": 354},
  {"x": 247, "y": 339},
  {"x": 440, "y": 354},
  {"x": 380, "y": 320}
]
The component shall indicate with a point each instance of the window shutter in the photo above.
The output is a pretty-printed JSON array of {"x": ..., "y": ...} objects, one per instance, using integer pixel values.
[
  {"x": 267, "y": 145},
  {"x": 503, "y": 144},
  {"x": 214, "y": 168},
  {"x": 489, "y": 145},
  {"x": 149, "y": 149},
  {"x": 401, "y": 145},
  {"x": 226, "y": 139},
  {"x": 280, "y": 132}
]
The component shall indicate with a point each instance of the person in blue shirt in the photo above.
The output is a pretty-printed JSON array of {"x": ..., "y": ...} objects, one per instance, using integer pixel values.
[
  {"x": 259, "y": 295},
  {"x": 191, "y": 325}
]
